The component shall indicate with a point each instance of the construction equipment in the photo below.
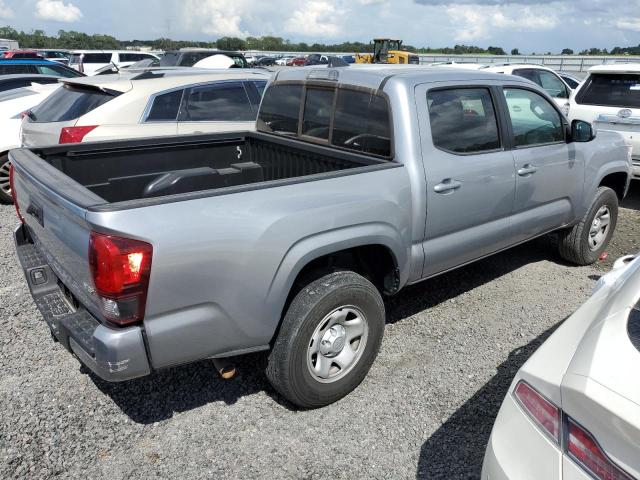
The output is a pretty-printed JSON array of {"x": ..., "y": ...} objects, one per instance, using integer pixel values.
[{"x": 386, "y": 50}]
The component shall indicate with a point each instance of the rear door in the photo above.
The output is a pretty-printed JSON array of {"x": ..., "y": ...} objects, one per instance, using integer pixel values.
[
  {"x": 216, "y": 107},
  {"x": 549, "y": 171},
  {"x": 469, "y": 174}
]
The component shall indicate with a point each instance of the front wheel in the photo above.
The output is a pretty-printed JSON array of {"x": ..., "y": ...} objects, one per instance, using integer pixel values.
[
  {"x": 586, "y": 241},
  {"x": 328, "y": 340},
  {"x": 5, "y": 185}
]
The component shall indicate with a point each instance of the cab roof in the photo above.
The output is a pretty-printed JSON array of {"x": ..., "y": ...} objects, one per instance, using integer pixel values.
[{"x": 616, "y": 68}]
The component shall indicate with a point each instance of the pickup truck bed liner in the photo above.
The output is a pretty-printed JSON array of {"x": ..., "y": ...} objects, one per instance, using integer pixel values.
[{"x": 145, "y": 170}]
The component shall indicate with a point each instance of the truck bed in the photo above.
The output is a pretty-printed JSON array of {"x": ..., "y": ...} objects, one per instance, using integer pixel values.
[{"x": 151, "y": 168}]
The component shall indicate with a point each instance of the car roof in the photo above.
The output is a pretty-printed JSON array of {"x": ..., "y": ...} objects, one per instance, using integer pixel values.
[
  {"x": 159, "y": 79},
  {"x": 616, "y": 68},
  {"x": 516, "y": 65},
  {"x": 26, "y": 61},
  {"x": 373, "y": 76}
]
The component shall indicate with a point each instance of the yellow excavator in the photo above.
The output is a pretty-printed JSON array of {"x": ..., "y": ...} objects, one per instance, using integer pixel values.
[{"x": 386, "y": 50}]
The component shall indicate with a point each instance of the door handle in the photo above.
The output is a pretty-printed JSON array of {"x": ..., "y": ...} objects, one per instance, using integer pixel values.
[
  {"x": 447, "y": 186},
  {"x": 527, "y": 170}
]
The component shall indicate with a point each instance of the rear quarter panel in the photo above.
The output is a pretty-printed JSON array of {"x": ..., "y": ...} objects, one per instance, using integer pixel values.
[{"x": 223, "y": 265}]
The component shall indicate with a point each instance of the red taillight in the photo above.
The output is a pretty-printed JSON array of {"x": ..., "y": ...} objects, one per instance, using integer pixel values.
[
  {"x": 586, "y": 452},
  {"x": 13, "y": 192},
  {"x": 75, "y": 134},
  {"x": 543, "y": 412},
  {"x": 121, "y": 268}
]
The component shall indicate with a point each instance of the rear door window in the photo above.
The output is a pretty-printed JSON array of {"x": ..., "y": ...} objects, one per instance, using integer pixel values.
[
  {"x": 553, "y": 85},
  {"x": 463, "y": 120},
  {"x": 165, "y": 107},
  {"x": 362, "y": 123},
  {"x": 316, "y": 119},
  {"x": 69, "y": 103},
  {"x": 220, "y": 102},
  {"x": 611, "y": 90},
  {"x": 96, "y": 58},
  {"x": 280, "y": 109}
]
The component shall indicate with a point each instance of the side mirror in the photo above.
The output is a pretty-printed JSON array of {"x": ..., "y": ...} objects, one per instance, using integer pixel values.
[{"x": 582, "y": 131}]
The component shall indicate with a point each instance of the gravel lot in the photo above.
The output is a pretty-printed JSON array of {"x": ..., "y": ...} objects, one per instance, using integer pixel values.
[{"x": 451, "y": 348}]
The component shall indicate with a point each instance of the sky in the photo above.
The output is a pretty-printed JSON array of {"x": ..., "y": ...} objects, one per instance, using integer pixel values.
[{"x": 530, "y": 25}]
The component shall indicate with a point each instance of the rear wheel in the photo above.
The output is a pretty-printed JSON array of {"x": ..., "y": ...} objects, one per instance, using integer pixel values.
[
  {"x": 586, "y": 241},
  {"x": 5, "y": 185},
  {"x": 328, "y": 340}
]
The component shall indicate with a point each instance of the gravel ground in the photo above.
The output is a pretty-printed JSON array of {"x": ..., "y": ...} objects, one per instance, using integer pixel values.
[{"x": 451, "y": 348}]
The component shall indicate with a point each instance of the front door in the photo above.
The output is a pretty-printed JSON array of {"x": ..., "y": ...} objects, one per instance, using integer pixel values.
[{"x": 470, "y": 182}]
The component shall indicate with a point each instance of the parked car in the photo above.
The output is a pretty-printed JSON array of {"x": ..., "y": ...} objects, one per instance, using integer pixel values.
[
  {"x": 14, "y": 104},
  {"x": 284, "y": 61},
  {"x": 36, "y": 67},
  {"x": 299, "y": 62},
  {"x": 348, "y": 58},
  {"x": 610, "y": 98},
  {"x": 547, "y": 78},
  {"x": 570, "y": 80},
  {"x": 265, "y": 62},
  {"x": 59, "y": 56},
  {"x": 146, "y": 104},
  {"x": 286, "y": 238},
  {"x": 573, "y": 409},
  {"x": 89, "y": 61},
  {"x": 10, "y": 82},
  {"x": 21, "y": 54},
  {"x": 317, "y": 59},
  {"x": 189, "y": 57}
]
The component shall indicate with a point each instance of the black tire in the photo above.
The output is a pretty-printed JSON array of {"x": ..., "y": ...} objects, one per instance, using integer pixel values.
[
  {"x": 288, "y": 370},
  {"x": 573, "y": 243},
  {"x": 5, "y": 191}
]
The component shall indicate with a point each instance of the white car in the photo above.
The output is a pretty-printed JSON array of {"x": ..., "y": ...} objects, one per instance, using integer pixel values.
[
  {"x": 89, "y": 61},
  {"x": 14, "y": 104},
  {"x": 147, "y": 103},
  {"x": 609, "y": 98},
  {"x": 573, "y": 409},
  {"x": 545, "y": 77}
]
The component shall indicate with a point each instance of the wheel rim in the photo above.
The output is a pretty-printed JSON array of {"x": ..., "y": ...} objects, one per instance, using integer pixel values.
[
  {"x": 599, "y": 228},
  {"x": 337, "y": 344},
  {"x": 5, "y": 184}
]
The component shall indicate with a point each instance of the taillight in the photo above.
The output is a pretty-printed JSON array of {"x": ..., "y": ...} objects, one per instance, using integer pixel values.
[
  {"x": 120, "y": 268},
  {"x": 75, "y": 134},
  {"x": 13, "y": 192},
  {"x": 583, "y": 448},
  {"x": 541, "y": 410}
]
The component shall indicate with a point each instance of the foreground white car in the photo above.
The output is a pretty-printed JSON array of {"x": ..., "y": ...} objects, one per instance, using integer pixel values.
[
  {"x": 13, "y": 104},
  {"x": 573, "y": 409},
  {"x": 609, "y": 98}
]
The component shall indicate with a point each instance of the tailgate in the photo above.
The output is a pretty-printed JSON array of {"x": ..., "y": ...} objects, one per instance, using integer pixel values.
[{"x": 54, "y": 207}]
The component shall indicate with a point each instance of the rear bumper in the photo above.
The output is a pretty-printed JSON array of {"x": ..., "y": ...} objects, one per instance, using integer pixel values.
[{"x": 112, "y": 354}]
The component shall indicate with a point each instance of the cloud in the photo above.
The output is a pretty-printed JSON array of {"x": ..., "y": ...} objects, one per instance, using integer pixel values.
[
  {"x": 216, "y": 17},
  {"x": 57, "y": 11},
  {"x": 485, "y": 21},
  {"x": 316, "y": 17},
  {"x": 5, "y": 11},
  {"x": 629, "y": 24}
]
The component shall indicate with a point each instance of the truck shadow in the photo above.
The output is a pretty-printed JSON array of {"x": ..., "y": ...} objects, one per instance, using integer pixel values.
[
  {"x": 456, "y": 449},
  {"x": 158, "y": 396},
  {"x": 632, "y": 200}
]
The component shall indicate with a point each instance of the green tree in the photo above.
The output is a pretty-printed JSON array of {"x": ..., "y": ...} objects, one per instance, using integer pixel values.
[
  {"x": 567, "y": 51},
  {"x": 515, "y": 51}
]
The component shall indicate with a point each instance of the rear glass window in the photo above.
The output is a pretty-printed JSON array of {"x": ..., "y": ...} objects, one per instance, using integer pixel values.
[
  {"x": 96, "y": 58},
  {"x": 611, "y": 89},
  {"x": 316, "y": 118},
  {"x": 222, "y": 102},
  {"x": 362, "y": 123},
  {"x": 280, "y": 109},
  {"x": 69, "y": 103},
  {"x": 165, "y": 107}
]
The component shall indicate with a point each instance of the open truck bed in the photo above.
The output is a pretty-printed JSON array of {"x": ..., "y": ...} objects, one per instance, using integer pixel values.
[{"x": 142, "y": 170}]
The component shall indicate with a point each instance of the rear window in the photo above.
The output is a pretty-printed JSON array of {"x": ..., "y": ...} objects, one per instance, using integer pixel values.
[
  {"x": 611, "y": 89},
  {"x": 280, "y": 109},
  {"x": 16, "y": 69},
  {"x": 96, "y": 58},
  {"x": 316, "y": 118},
  {"x": 70, "y": 103},
  {"x": 222, "y": 102}
]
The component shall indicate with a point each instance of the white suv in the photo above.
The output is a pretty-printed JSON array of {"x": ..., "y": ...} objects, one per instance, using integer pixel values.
[
  {"x": 547, "y": 78},
  {"x": 609, "y": 98},
  {"x": 147, "y": 103},
  {"x": 89, "y": 61}
]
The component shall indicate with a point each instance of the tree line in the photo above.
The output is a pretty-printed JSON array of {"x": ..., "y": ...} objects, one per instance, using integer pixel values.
[{"x": 78, "y": 40}]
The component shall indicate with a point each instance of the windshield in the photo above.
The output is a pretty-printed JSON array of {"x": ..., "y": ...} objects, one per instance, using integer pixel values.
[{"x": 611, "y": 90}]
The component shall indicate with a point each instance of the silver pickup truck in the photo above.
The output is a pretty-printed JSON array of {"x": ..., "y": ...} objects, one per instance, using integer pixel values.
[{"x": 145, "y": 254}]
